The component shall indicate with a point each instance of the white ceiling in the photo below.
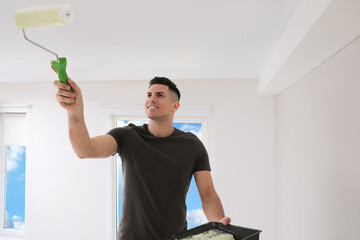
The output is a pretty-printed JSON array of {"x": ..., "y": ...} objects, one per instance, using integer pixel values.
[{"x": 140, "y": 39}]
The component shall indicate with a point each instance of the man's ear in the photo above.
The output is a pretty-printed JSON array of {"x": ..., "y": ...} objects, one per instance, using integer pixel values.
[{"x": 176, "y": 106}]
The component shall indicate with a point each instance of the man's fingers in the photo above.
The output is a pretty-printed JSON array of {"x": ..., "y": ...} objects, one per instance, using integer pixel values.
[
  {"x": 65, "y": 93},
  {"x": 64, "y": 98},
  {"x": 61, "y": 85},
  {"x": 225, "y": 220},
  {"x": 73, "y": 85}
]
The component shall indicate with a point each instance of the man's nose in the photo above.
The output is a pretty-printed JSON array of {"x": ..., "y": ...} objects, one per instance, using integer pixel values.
[{"x": 152, "y": 99}]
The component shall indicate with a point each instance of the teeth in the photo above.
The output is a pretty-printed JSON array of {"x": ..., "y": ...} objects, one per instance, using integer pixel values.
[{"x": 152, "y": 107}]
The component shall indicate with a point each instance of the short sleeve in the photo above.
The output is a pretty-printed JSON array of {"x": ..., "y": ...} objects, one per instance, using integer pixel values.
[
  {"x": 202, "y": 161},
  {"x": 119, "y": 134}
]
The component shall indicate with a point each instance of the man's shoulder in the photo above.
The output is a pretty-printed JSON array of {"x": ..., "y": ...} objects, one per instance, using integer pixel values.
[
  {"x": 187, "y": 135},
  {"x": 127, "y": 129}
]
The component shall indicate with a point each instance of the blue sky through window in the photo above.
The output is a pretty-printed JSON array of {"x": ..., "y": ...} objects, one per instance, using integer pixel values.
[
  {"x": 193, "y": 202},
  {"x": 15, "y": 187}
]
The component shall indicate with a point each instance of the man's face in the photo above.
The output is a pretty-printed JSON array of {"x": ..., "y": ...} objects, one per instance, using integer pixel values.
[{"x": 160, "y": 102}]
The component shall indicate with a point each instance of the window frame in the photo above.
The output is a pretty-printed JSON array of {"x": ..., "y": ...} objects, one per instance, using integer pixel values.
[{"x": 9, "y": 109}]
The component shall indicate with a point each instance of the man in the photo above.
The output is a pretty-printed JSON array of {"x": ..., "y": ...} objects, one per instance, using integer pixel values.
[{"x": 158, "y": 163}]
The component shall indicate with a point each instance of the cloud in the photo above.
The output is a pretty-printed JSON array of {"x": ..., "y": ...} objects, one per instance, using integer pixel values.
[
  {"x": 8, "y": 222},
  {"x": 195, "y": 217},
  {"x": 22, "y": 177},
  {"x": 19, "y": 226},
  {"x": 195, "y": 129},
  {"x": 16, "y": 218},
  {"x": 14, "y": 154},
  {"x": 121, "y": 123},
  {"x": 11, "y": 165},
  {"x": 14, "y": 222}
]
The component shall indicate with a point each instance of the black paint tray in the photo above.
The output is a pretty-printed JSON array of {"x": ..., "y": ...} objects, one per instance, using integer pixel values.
[{"x": 239, "y": 233}]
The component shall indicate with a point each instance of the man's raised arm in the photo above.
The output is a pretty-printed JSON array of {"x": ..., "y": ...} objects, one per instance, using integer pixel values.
[{"x": 85, "y": 147}]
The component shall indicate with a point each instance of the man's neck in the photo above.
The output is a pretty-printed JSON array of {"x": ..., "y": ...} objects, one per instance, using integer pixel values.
[{"x": 160, "y": 129}]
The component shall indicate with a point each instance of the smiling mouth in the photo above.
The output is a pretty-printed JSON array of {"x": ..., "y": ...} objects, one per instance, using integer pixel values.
[{"x": 152, "y": 107}]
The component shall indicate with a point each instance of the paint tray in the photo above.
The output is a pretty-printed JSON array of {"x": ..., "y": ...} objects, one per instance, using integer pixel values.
[{"x": 217, "y": 231}]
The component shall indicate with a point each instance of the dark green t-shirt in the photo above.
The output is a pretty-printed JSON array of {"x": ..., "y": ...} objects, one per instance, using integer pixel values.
[{"x": 157, "y": 174}]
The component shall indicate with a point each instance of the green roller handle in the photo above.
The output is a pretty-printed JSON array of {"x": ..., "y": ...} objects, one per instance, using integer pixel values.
[{"x": 60, "y": 67}]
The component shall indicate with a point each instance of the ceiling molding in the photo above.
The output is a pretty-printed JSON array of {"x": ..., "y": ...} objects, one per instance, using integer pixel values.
[{"x": 306, "y": 46}]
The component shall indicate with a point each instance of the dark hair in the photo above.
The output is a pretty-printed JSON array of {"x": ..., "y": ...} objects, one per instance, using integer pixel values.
[{"x": 167, "y": 82}]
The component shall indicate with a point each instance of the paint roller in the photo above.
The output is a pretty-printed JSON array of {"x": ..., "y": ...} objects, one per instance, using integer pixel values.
[{"x": 47, "y": 16}]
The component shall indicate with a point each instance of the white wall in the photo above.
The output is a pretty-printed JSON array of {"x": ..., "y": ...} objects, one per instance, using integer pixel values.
[
  {"x": 318, "y": 154},
  {"x": 68, "y": 198}
]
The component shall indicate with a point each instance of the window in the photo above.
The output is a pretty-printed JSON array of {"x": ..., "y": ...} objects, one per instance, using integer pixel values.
[
  {"x": 13, "y": 130},
  {"x": 15, "y": 187},
  {"x": 195, "y": 215}
]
